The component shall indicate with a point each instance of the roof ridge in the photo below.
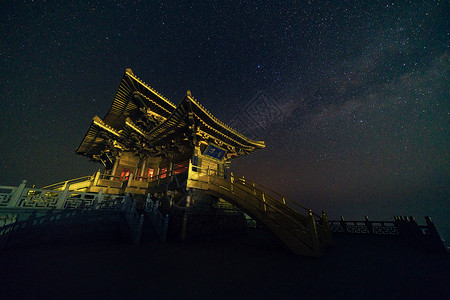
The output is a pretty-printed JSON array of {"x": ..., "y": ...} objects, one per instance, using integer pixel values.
[
  {"x": 130, "y": 73},
  {"x": 149, "y": 99},
  {"x": 260, "y": 143}
]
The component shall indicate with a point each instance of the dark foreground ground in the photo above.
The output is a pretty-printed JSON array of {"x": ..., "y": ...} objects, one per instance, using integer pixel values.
[{"x": 253, "y": 267}]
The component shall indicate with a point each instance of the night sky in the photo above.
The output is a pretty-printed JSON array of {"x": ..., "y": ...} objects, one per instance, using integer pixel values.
[{"x": 360, "y": 91}]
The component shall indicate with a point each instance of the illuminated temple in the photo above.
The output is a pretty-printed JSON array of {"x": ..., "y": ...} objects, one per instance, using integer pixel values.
[
  {"x": 169, "y": 164},
  {"x": 146, "y": 143}
]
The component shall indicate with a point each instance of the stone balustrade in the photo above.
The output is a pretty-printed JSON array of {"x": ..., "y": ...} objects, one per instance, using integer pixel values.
[
  {"x": 25, "y": 197},
  {"x": 420, "y": 236}
]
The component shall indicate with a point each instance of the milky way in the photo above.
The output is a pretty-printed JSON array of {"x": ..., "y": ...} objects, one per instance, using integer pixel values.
[{"x": 360, "y": 91}]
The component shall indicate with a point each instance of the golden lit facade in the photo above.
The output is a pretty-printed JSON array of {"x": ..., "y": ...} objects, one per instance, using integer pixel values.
[{"x": 146, "y": 142}]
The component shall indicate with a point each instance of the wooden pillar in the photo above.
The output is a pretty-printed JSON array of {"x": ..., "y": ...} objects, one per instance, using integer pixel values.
[
  {"x": 114, "y": 169},
  {"x": 157, "y": 173},
  {"x": 130, "y": 178},
  {"x": 170, "y": 169},
  {"x": 143, "y": 169}
]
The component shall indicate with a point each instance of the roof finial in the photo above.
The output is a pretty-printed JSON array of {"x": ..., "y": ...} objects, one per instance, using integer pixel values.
[{"x": 188, "y": 93}]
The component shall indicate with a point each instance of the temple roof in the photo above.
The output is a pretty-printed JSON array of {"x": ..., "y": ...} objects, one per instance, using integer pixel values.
[
  {"x": 143, "y": 119},
  {"x": 123, "y": 104}
]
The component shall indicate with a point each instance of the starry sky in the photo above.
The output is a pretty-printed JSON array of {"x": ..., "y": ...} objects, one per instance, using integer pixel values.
[{"x": 360, "y": 90}]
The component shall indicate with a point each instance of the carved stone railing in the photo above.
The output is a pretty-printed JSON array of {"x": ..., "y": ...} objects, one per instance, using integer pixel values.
[
  {"x": 23, "y": 197},
  {"x": 420, "y": 236},
  {"x": 23, "y": 208},
  {"x": 364, "y": 227},
  {"x": 159, "y": 222}
]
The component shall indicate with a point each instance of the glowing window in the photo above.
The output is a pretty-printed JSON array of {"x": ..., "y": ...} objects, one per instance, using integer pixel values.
[
  {"x": 164, "y": 172},
  {"x": 125, "y": 174},
  {"x": 150, "y": 173}
]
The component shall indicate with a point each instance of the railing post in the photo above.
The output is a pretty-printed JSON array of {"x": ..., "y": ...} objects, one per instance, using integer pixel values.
[
  {"x": 326, "y": 225},
  {"x": 62, "y": 197},
  {"x": 64, "y": 185},
  {"x": 96, "y": 178},
  {"x": 264, "y": 201},
  {"x": 148, "y": 205},
  {"x": 368, "y": 225},
  {"x": 254, "y": 189},
  {"x": 343, "y": 224},
  {"x": 98, "y": 200},
  {"x": 313, "y": 232},
  {"x": 17, "y": 195}
]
